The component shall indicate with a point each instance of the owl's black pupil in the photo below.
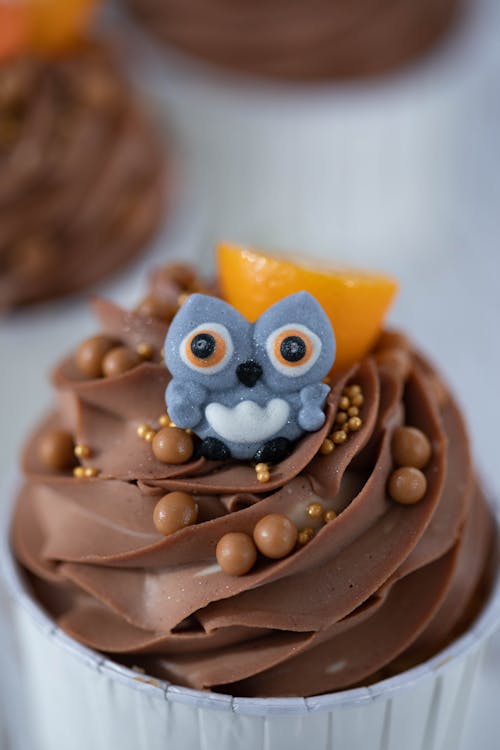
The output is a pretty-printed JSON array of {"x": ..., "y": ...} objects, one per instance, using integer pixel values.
[
  {"x": 203, "y": 345},
  {"x": 293, "y": 348}
]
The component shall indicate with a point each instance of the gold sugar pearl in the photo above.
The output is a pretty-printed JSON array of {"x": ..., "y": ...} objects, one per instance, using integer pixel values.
[
  {"x": 358, "y": 400},
  {"x": 339, "y": 437},
  {"x": 344, "y": 403},
  {"x": 142, "y": 430},
  {"x": 89, "y": 472},
  {"x": 262, "y": 471},
  {"x": 182, "y": 298},
  {"x": 327, "y": 447},
  {"x": 354, "y": 423},
  {"x": 79, "y": 472},
  {"x": 305, "y": 535},
  {"x": 315, "y": 510},
  {"x": 149, "y": 436},
  {"x": 164, "y": 420},
  {"x": 352, "y": 390},
  {"x": 145, "y": 350},
  {"x": 82, "y": 451},
  {"x": 329, "y": 515},
  {"x": 341, "y": 417},
  {"x": 353, "y": 411}
]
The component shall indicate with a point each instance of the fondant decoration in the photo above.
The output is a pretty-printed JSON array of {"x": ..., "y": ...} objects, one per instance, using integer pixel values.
[
  {"x": 355, "y": 301},
  {"x": 249, "y": 390}
]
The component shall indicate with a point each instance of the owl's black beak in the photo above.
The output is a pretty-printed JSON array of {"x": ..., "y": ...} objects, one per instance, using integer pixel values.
[{"x": 249, "y": 372}]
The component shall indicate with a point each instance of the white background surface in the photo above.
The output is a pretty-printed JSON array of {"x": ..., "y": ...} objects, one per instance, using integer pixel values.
[{"x": 449, "y": 302}]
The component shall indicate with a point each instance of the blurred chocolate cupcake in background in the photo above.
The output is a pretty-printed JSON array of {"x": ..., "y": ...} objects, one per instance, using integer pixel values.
[
  {"x": 338, "y": 126},
  {"x": 82, "y": 173},
  {"x": 298, "y": 41}
]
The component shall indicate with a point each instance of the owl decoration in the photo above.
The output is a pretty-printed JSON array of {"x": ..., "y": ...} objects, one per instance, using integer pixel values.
[{"x": 249, "y": 390}]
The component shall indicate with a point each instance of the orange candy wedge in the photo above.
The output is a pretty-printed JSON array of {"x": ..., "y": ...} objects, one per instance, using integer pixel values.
[{"x": 355, "y": 301}]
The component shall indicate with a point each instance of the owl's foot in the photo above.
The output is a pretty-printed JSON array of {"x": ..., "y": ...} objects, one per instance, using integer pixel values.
[
  {"x": 274, "y": 451},
  {"x": 214, "y": 449}
]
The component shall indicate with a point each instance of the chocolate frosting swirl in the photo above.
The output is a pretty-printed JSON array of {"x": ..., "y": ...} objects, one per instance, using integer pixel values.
[
  {"x": 383, "y": 586},
  {"x": 316, "y": 40},
  {"x": 81, "y": 175}
]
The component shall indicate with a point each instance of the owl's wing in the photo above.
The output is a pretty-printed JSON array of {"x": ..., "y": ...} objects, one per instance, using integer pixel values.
[
  {"x": 184, "y": 400},
  {"x": 311, "y": 415}
]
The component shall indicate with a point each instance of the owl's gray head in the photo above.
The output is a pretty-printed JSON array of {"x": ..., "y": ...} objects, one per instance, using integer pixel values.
[
  {"x": 206, "y": 342},
  {"x": 291, "y": 345},
  {"x": 294, "y": 343}
]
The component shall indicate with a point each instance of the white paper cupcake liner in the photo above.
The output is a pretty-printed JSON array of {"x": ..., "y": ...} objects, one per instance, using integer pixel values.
[
  {"x": 77, "y": 699},
  {"x": 367, "y": 171}
]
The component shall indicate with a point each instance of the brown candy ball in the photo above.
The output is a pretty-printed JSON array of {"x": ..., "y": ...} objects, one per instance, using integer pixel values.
[
  {"x": 90, "y": 354},
  {"x": 56, "y": 450},
  {"x": 392, "y": 340},
  {"x": 152, "y": 307},
  {"x": 236, "y": 553},
  {"x": 407, "y": 485},
  {"x": 118, "y": 360},
  {"x": 171, "y": 445},
  {"x": 181, "y": 274},
  {"x": 411, "y": 447},
  {"x": 395, "y": 361},
  {"x": 275, "y": 536},
  {"x": 174, "y": 511}
]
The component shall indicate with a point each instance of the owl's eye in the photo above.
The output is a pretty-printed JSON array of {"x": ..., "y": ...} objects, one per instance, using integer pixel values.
[
  {"x": 293, "y": 349},
  {"x": 207, "y": 348}
]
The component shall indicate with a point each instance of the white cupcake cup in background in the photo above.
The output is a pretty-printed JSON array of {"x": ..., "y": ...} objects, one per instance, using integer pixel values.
[
  {"x": 76, "y": 699},
  {"x": 365, "y": 171}
]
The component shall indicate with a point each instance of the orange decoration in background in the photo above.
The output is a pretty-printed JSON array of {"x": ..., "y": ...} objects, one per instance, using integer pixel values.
[
  {"x": 57, "y": 24},
  {"x": 355, "y": 301},
  {"x": 42, "y": 26}
]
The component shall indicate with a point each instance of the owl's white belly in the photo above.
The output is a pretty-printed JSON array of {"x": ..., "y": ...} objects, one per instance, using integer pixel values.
[{"x": 247, "y": 422}]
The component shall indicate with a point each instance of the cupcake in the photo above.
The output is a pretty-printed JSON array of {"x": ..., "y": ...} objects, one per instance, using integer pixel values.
[
  {"x": 227, "y": 521},
  {"x": 82, "y": 175},
  {"x": 324, "y": 41},
  {"x": 334, "y": 126}
]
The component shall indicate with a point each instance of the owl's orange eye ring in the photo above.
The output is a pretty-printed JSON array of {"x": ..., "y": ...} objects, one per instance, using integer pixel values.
[
  {"x": 207, "y": 348},
  {"x": 293, "y": 349}
]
